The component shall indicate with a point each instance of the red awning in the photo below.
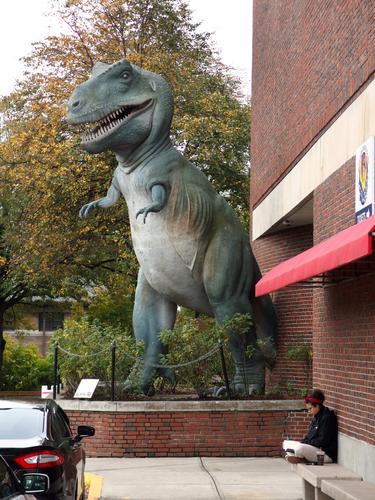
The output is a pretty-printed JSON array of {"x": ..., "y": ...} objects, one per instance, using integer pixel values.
[{"x": 351, "y": 244}]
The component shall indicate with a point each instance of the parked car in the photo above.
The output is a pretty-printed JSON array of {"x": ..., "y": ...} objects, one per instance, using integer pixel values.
[
  {"x": 35, "y": 437},
  {"x": 11, "y": 488}
]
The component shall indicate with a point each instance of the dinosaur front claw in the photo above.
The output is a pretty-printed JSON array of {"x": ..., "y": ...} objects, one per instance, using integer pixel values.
[
  {"x": 145, "y": 211},
  {"x": 86, "y": 209}
]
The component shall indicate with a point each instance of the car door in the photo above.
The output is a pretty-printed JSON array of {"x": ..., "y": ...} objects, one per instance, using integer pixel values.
[
  {"x": 72, "y": 451},
  {"x": 8, "y": 485}
]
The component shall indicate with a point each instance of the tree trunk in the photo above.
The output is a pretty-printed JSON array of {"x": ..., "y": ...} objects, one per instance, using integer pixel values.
[{"x": 2, "y": 340}]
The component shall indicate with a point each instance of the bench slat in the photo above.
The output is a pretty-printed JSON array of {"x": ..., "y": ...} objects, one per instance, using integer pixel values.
[
  {"x": 344, "y": 489},
  {"x": 314, "y": 474}
]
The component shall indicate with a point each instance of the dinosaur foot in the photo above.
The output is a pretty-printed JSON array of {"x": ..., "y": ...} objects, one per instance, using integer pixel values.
[
  {"x": 218, "y": 391},
  {"x": 143, "y": 382},
  {"x": 168, "y": 376},
  {"x": 237, "y": 389}
]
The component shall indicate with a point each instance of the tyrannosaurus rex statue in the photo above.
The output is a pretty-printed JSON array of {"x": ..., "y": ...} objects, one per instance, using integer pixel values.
[{"x": 191, "y": 247}]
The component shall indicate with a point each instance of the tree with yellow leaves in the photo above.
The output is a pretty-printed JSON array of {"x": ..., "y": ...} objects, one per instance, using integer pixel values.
[{"x": 46, "y": 177}]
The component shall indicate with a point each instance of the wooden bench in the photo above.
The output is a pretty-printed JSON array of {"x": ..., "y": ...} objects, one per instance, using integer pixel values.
[
  {"x": 346, "y": 489},
  {"x": 313, "y": 475}
]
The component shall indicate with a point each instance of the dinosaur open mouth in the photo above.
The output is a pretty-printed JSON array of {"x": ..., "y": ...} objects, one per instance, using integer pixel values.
[{"x": 105, "y": 126}]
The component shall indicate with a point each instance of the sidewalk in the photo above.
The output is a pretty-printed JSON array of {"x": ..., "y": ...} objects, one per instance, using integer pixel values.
[{"x": 195, "y": 478}]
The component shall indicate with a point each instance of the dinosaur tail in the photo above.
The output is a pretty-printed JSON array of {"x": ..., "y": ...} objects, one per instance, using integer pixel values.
[{"x": 265, "y": 320}]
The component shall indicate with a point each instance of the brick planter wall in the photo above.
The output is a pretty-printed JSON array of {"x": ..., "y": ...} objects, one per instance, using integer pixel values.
[{"x": 162, "y": 429}]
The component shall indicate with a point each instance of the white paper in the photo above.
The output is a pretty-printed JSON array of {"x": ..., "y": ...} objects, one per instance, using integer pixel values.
[{"x": 86, "y": 388}]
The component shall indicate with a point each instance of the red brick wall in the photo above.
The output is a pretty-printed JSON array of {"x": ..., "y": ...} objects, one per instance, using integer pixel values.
[
  {"x": 344, "y": 320},
  {"x": 204, "y": 433},
  {"x": 293, "y": 305},
  {"x": 309, "y": 58},
  {"x": 334, "y": 203}
]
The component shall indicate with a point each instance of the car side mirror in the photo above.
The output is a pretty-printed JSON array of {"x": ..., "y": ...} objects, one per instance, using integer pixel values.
[
  {"x": 35, "y": 483},
  {"x": 84, "y": 431}
]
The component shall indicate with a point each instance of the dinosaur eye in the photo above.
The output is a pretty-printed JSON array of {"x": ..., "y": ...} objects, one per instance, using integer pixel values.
[{"x": 126, "y": 75}]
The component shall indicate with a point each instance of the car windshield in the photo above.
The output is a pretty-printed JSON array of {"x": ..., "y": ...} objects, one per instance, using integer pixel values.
[{"x": 20, "y": 423}]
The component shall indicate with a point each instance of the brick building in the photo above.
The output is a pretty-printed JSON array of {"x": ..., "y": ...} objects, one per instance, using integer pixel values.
[
  {"x": 313, "y": 107},
  {"x": 35, "y": 319}
]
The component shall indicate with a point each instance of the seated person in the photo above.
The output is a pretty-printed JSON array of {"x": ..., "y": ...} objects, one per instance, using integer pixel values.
[{"x": 322, "y": 434}]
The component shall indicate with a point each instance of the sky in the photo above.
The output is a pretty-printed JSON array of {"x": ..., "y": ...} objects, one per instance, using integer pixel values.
[{"x": 25, "y": 21}]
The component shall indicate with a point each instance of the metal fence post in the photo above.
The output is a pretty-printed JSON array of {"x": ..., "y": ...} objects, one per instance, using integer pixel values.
[
  {"x": 224, "y": 366},
  {"x": 113, "y": 368},
  {"x": 55, "y": 369}
]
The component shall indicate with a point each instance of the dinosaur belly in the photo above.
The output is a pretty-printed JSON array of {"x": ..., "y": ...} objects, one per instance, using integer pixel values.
[{"x": 170, "y": 264}]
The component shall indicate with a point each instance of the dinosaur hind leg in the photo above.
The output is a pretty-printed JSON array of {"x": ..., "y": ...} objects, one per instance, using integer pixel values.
[
  {"x": 152, "y": 313},
  {"x": 227, "y": 279},
  {"x": 248, "y": 359}
]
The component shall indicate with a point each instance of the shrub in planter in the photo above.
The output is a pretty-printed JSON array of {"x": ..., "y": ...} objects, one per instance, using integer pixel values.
[
  {"x": 24, "y": 368},
  {"x": 191, "y": 339},
  {"x": 85, "y": 352}
]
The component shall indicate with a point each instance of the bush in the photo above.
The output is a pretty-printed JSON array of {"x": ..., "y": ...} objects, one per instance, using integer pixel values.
[
  {"x": 304, "y": 354},
  {"x": 190, "y": 339},
  {"x": 85, "y": 352},
  {"x": 24, "y": 369}
]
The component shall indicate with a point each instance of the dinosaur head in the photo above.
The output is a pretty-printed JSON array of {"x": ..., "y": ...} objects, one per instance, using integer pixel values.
[{"x": 122, "y": 108}]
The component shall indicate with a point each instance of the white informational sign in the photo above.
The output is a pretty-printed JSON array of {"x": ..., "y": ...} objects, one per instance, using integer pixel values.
[
  {"x": 364, "y": 180},
  {"x": 86, "y": 388}
]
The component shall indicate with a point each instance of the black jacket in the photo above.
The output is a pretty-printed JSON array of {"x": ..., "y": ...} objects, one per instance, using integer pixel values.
[{"x": 323, "y": 432}]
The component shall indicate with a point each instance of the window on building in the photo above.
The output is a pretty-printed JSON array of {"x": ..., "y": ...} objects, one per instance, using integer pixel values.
[
  {"x": 9, "y": 323},
  {"x": 50, "y": 321}
]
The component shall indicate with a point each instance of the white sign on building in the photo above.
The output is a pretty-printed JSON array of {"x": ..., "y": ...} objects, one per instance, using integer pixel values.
[{"x": 364, "y": 180}]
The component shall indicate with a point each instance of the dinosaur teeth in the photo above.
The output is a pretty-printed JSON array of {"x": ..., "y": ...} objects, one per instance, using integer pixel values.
[{"x": 108, "y": 123}]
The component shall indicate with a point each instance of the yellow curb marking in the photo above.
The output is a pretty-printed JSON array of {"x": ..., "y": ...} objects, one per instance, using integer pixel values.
[{"x": 95, "y": 484}]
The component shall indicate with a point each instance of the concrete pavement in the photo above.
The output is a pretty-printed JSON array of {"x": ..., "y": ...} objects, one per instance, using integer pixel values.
[{"x": 196, "y": 478}]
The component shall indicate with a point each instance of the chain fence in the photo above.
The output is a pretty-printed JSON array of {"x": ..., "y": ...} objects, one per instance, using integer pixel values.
[{"x": 113, "y": 350}]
